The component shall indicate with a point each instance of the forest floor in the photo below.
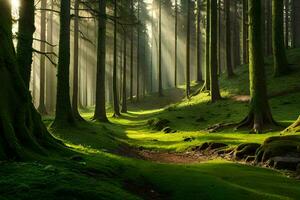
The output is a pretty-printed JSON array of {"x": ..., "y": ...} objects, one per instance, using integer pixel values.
[{"x": 130, "y": 158}]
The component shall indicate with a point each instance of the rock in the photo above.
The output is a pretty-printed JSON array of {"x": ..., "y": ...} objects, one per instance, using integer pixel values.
[
  {"x": 285, "y": 162},
  {"x": 245, "y": 150}
]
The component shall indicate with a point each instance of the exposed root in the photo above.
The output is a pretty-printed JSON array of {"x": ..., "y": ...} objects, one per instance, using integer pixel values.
[{"x": 295, "y": 127}]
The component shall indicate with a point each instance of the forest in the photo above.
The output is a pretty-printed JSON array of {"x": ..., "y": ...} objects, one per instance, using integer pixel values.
[{"x": 149, "y": 99}]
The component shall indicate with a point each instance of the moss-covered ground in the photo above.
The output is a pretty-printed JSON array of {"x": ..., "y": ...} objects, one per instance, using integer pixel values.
[{"x": 97, "y": 172}]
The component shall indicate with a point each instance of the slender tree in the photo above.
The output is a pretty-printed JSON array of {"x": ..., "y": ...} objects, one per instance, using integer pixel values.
[
  {"x": 213, "y": 58},
  {"x": 188, "y": 38},
  {"x": 260, "y": 113},
  {"x": 100, "y": 109},
  {"x": 280, "y": 58},
  {"x": 115, "y": 89},
  {"x": 131, "y": 52},
  {"x": 75, "y": 64},
  {"x": 124, "y": 85},
  {"x": 198, "y": 38},
  {"x": 138, "y": 54},
  {"x": 245, "y": 32},
  {"x": 176, "y": 45},
  {"x": 63, "y": 113},
  {"x": 160, "y": 89},
  {"x": 228, "y": 40},
  {"x": 207, "y": 53}
]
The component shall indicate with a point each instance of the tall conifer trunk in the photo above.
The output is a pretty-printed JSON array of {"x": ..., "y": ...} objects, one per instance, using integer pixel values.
[
  {"x": 64, "y": 114},
  {"x": 100, "y": 108}
]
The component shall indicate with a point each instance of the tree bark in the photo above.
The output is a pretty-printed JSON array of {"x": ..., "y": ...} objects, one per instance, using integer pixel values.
[
  {"x": 229, "y": 67},
  {"x": 198, "y": 38},
  {"x": 176, "y": 45},
  {"x": 280, "y": 58},
  {"x": 124, "y": 85},
  {"x": 115, "y": 88},
  {"x": 25, "y": 39},
  {"x": 100, "y": 108},
  {"x": 207, "y": 54},
  {"x": 64, "y": 114},
  {"x": 188, "y": 38},
  {"x": 213, "y": 63},
  {"x": 160, "y": 89},
  {"x": 245, "y": 32},
  {"x": 260, "y": 113}
]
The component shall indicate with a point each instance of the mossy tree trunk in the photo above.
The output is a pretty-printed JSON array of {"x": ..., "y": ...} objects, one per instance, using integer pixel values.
[
  {"x": 229, "y": 67},
  {"x": 64, "y": 114},
  {"x": 115, "y": 89},
  {"x": 25, "y": 39},
  {"x": 100, "y": 108},
  {"x": 213, "y": 55},
  {"x": 280, "y": 58},
  {"x": 259, "y": 116},
  {"x": 23, "y": 135}
]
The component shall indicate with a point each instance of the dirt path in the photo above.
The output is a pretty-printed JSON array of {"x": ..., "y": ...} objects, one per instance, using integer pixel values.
[{"x": 165, "y": 157}]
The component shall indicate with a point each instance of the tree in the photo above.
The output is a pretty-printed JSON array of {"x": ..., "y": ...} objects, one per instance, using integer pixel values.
[
  {"x": 138, "y": 54},
  {"x": 245, "y": 32},
  {"x": 198, "y": 38},
  {"x": 260, "y": 113},
  {"x": 228, "y": 40},
  {"x": 115, "y": 89},
  {"x": 23, "y": 134},
  {"x": 176, "y": 46},
  {"x": 100, "y": 109},
  {"x": 64, "y": 114},
  {"x": 131, "y": 52},
  {"x": 25, "y": 39},
  {"x": 188, "y": 38},
  {"x": 213, "y": 60},
  {"x": 280, "y": 58},
  {"x": 207, "y": 65},
  {"x": 75, "y": 65},
  {"x": 160, "y": 90},
  {"x": 124, "y": 85}
]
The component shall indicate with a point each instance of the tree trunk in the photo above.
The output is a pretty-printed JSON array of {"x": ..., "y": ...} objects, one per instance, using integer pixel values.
[
  {"x": 160, "y": 90},
  {"x": 131, "y": 54},
  {"x": 23, "y": 134},
  {"x": 115, "y": 89},
  {"x": 280, "y": 58},
  {"x": 214, "y": 83},
  {"x": 75, "y": 67},
  {"x": 260, "y": 114},
  {"x": 229, "y": 67},
  {"x": 100, "y": 108},
  {"x": 207, "y": 63},
  {"x": 198, "y": 36},
  {"x": 25, "y": 39},
  {"x": 296, "y": 23},
  {"x": 287, "y": 23},
  {"x": 176, "y": 45},
  {"x": 188, "y": 35},
  {"x": 245, "y": 32},
  {"x": 64, "y": 114},
  {"x": 124, "y": 85}
]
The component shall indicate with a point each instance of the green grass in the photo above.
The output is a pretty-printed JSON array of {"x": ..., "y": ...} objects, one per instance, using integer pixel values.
[{"x": 103, "y": 175}]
